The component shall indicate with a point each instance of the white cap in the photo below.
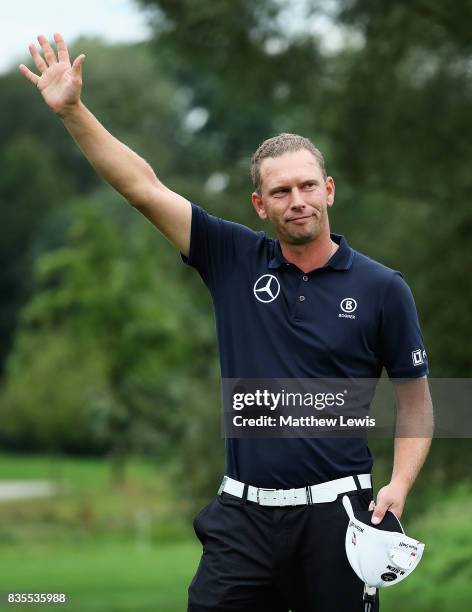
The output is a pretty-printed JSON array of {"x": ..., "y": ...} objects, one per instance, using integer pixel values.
[{"x": 381, "y": 555}]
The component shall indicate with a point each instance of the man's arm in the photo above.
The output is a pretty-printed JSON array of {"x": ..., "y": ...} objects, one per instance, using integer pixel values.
[
  {"x": 414, "y": 430},
  {"x": 131, "y": 176},
  {"x": 60, "y": 85}
]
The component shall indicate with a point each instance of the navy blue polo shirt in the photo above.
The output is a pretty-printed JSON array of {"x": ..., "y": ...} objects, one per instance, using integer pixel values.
[{"x": 347, "y": 319}]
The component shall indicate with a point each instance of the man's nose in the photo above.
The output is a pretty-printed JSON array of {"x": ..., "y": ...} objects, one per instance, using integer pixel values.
[{"x": 296, "y": 200}]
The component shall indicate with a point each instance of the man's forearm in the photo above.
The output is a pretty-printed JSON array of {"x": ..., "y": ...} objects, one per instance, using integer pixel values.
[
  {"x": 126, "y": 171},
  {"x": 410, "y": 454},
  {"x": 414, "y": 430},
  {"x": 409, "y": 457}
]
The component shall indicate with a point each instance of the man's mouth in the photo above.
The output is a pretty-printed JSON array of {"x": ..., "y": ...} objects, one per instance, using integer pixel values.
[{"x": 299, "y": 219}]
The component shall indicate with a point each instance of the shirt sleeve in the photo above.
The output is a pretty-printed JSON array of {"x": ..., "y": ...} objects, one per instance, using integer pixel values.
[
  {"x": 215, "y": 245},
  {"x": 401, "y": 345}
]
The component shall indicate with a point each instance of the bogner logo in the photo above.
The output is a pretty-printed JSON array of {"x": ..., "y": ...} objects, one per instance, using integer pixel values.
[
  {"x": 348, "y": 306},
  {"x": 266, "y": 288}
]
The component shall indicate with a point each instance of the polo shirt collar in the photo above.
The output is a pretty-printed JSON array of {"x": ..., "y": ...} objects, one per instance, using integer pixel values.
[{"x": 341, "y": 260}]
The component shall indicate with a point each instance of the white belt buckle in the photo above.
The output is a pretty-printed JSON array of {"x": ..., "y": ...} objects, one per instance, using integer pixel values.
[
  {"x": 276, "y": 497},
  {"x": 269, "y": 500}
]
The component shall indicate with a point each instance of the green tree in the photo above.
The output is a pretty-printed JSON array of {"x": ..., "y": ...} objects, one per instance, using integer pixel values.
[{"x": 106, "y": 299}]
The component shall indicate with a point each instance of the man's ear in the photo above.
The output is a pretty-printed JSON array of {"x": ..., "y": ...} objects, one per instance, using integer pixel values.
[
  {"x": 330, "y": 188},
  {"x": 258, "y": 205}
]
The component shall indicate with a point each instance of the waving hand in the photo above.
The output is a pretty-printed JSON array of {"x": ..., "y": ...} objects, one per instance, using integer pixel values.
[{"x": 60, "y": 82}]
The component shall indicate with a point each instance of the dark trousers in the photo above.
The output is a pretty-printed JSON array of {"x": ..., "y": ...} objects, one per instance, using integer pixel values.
[{"x": 266, "y": 559}]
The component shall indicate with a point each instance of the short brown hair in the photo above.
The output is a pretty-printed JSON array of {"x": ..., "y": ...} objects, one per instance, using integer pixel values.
[{"x": 278, "y": 145}]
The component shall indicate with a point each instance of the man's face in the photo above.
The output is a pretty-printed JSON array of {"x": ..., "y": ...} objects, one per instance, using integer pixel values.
[{"x": 294, "y": 196}]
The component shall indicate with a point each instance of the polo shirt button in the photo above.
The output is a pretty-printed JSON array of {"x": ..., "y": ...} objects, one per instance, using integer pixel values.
[
  {"x": 305, "y": 278},
  {"x": 302, "y": 298}
]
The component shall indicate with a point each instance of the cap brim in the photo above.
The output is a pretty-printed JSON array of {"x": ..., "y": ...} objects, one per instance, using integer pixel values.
[{"x": 388, "y": 523}]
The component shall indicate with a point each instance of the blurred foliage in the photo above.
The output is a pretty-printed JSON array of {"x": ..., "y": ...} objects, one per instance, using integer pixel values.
[
  {"x": 116, "y": 326},
  {"x": 443, "y": 580},
  {"x": 31, "y": 186},
  {"x": 103, "y": 327}
]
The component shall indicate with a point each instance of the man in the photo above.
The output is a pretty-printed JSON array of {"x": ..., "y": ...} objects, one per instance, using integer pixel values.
[{"x": 279, "y": 308}]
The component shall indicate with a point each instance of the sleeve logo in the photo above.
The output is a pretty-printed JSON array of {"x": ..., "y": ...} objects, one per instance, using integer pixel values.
[{"x": 419, "y": 357}]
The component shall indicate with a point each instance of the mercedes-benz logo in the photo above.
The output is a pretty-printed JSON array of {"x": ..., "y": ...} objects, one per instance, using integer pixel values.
[{"x": 266, "y": 288}]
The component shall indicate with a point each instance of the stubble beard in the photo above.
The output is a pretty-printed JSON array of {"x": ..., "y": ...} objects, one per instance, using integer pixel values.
[{"x": 303, "y": 235}]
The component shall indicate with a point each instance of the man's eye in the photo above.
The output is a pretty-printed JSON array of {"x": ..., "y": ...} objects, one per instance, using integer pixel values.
[{"x": 309, "y": 185}]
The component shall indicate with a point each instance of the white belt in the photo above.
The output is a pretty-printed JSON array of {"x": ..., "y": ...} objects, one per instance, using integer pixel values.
[{"x": 314, "y": 494}]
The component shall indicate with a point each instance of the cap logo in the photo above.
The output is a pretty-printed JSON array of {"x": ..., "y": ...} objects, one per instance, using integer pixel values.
[{"x": 356, "y": 526}]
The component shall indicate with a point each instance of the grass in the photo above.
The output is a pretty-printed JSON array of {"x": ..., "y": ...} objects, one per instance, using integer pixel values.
[
  {"x": 79, "y": 472},
  {"x": 111, "y": 577},
  {"x": 90, "y": 505},
  {"x": 109, "y": 548}
]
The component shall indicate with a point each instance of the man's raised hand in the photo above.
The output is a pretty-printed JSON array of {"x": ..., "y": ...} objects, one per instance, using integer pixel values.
[{"x": 60, "y": 82}]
